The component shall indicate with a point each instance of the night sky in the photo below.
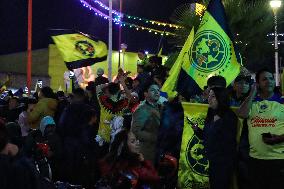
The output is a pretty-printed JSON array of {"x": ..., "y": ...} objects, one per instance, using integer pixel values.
[{"x": 70, "y": 14}]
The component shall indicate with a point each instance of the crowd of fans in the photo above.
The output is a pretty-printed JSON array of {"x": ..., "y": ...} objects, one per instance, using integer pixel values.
[{"x": 126, "y": 134}]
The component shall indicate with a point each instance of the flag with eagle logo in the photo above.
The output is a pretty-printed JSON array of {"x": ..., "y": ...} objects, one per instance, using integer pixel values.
[
  {"x": 79, "y": 49},
  {"x": 212, "y": 51},
  {"x": 193, "y": 163}
]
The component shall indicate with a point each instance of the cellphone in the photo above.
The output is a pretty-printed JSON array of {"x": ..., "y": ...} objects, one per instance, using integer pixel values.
[
  {"x": 71, "y": 74},
  {"x": 26, "y": 90},
  {"x": 266, "y": 135},
  {"x": 39, "y": 83}
]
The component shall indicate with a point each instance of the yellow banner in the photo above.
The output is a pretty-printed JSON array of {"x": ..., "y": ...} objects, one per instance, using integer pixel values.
[{"x": 193, "y": 164}]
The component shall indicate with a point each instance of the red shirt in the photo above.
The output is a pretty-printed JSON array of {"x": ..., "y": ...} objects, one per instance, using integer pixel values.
[{"x": 145, "y": 171}]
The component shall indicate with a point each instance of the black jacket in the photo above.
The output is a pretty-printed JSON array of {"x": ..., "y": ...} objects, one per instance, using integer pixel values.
[
  {"x": 220, "y": 137},
  {"x": 18, "y": 172}
]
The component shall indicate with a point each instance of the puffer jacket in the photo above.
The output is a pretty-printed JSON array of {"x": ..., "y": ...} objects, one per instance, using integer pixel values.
[{"x": 44, "y": 107}]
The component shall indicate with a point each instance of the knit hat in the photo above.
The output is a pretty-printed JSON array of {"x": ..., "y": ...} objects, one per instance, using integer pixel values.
[
  {"x": 100, "y": 72},
  {"x": 47, "y": 120}
]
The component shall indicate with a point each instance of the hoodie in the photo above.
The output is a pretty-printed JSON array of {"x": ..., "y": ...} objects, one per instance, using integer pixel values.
[{"x": 47, "y": 120}]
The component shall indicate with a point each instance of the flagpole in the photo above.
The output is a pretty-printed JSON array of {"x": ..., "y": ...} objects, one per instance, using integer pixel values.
[
  {"x": 160, "y": 42},
  {"x": 110, "y": 42},
  {"x": 29, "y": 60},
  {"x": 275, "y": 5},
  {"x": 119, "y": 32}
]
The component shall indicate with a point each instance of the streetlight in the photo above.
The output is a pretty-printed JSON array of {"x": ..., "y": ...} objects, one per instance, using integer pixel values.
[{"x": 275, "y": 5}]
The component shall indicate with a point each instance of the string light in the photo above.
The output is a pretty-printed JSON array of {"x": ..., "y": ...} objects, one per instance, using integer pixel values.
[
  {"x": 153, "y": 22},
  {"x": 97, "y": 12},
  {"x": 137, "y": 27},
  {"x": 199, "y": 9},
  {"x": 118, "y": 21},
  {"x": 121, "y": 15},
  {"x": 272, "y": 34}
]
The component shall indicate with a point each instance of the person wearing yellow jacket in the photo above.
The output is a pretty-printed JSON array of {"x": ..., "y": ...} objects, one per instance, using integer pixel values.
[{"x": 46, "y": 106}]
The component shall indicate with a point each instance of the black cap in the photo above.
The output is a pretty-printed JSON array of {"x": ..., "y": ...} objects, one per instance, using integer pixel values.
[{"x": 243, "y": 78}]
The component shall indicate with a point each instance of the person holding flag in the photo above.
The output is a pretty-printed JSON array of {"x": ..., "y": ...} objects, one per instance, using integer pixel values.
[
  {"x": 207, "y": 53},
  {"x": 219, "y": 138}
]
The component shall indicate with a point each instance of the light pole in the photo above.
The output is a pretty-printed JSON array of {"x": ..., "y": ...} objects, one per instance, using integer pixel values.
[
  {"x": 119, "y": 31},
  {"x": 123, "y": 47},
  {"x": 275, "y": 5},
  {"x": 29, "y": 60},
  {"x": 110, "y": 41}
]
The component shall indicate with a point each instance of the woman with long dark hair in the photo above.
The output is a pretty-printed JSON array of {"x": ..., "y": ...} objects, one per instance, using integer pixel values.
[
  {"x": 125, "y": 161},
  {"x": 219, "y": 138}
]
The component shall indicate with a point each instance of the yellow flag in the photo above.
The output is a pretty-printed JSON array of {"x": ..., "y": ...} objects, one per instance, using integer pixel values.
[
  {"x": 160, "y": 51},
  {"x": 80, "y": 50},
  {"x": 170, "y": 84},
  {"x": 6, "y": 84},
  {"x": 212, "y": 51}
]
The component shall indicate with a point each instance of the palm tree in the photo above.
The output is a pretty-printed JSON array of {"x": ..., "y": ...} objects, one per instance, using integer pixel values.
[{"x": 249, "y": 21}]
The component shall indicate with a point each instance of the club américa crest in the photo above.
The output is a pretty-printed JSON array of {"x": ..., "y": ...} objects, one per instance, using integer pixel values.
[
  {"x": 85, "y": 47},
  {"x": 195, "y": 153},
  {"x": 209, "y": 51}
]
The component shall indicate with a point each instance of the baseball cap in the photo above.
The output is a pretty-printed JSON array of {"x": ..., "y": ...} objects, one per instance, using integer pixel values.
[{"x": 243, "y": 78}]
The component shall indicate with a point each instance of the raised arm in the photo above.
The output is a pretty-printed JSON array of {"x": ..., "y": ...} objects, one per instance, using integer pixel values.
[
  {"x": 125, "y": 88},
  {"x": 244, "y": 109}
]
